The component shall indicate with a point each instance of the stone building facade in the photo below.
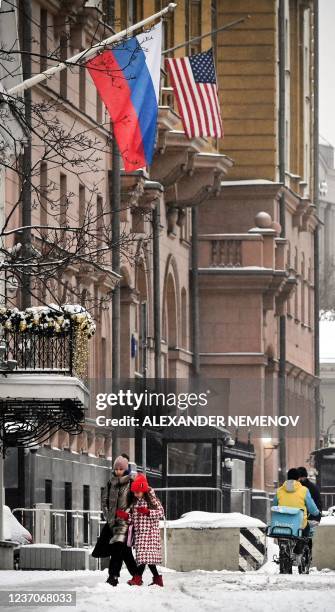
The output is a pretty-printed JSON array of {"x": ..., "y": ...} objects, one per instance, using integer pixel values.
[{"x": 255, "y": 279}]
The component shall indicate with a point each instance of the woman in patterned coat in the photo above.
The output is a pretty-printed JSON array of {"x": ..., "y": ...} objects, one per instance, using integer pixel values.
[{"x": 145, "y": 515}]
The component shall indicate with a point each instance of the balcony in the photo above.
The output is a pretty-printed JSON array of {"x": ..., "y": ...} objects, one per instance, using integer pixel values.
[
  {"x": 230, "y": 250},
  {"x": 251, "y": 262},
  {"x": 44, "y": 358}
]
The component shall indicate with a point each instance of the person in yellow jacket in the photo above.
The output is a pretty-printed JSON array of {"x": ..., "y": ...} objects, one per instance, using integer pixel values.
[{"x": 294, "y": 495}]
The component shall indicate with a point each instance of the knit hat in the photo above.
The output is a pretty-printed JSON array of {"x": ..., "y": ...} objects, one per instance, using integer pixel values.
[
  {"x": 140, "y": 484},
  {"x": 120, "y": 463}
]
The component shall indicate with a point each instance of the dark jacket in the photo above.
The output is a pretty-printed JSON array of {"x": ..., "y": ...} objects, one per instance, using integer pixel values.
[
  {"x": 314, "y": 491},
  {"x": 117, "y": 496}
]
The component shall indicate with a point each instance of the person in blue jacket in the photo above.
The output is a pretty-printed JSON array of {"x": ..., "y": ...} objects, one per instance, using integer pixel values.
[{"x": 294, "y": 495}]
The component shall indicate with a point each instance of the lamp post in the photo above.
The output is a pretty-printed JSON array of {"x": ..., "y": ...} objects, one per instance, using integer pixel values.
[
  {"x": 268, "y": 445},
  {"x": 5, "y": 366}
]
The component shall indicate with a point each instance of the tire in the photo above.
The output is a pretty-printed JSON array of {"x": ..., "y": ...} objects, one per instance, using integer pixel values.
[
  {"x": 285, "y": 561},
  {"x": 305, "y": 561}
]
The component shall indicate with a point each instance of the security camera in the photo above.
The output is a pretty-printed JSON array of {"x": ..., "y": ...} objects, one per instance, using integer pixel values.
[{"x": 230, "y": 442}]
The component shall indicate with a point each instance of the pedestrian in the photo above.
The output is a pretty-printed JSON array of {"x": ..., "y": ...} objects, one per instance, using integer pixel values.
[
  {"x": 117, "y": 500},
  {"x": 144, "y": 516},
  {"x": 313, "y": 489}
]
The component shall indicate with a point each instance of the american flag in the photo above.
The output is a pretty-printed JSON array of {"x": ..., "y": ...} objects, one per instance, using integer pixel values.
[{"x": 194, "y": 82}]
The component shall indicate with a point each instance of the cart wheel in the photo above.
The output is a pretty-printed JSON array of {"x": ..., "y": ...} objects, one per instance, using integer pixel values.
[
  {"x": 285, "y": 561},
  {"x": 306, "y": 559}
]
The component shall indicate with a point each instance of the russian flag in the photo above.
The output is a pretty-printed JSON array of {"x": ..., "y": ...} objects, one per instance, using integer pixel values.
[{"x": 127, "y": 78}]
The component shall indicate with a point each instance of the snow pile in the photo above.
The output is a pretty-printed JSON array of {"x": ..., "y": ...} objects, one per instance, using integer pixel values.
[
  {"x": 328, "y": 521},
  {"x": 197, "y": 591},
  {"x": 213, "y": 520},
  {"x": 48, "y": 319},
  {"x": 13, "y": 530},
  {"x": 42, "y": 545}
]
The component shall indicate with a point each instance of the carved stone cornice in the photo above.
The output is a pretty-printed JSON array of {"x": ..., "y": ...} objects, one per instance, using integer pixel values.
[
  {"x": 253, "y": 190},
  {"x": 173, "y": 157},
  {"x": 202, "y": 179},
  {"x": 132, "y": 187},
  {"x": 152, "y": 193}
]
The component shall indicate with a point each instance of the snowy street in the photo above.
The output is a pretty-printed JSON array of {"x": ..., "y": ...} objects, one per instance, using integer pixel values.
[{"x": 192, "y": 591}]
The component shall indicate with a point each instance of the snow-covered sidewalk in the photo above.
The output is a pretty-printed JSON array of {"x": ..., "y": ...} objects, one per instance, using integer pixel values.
[{"x": 199, "y": 591}]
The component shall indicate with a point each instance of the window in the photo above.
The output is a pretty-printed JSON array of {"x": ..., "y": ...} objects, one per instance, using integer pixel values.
[
  {"x": 184, "y": 318},
  {"x": 302, "y": 289},
  {"x": 131, "y": 12},
  {"x": 189, "y": 458},
  {"x": 214, "y": 24},
  {"x": 86, "y": 506},
  {"x": 193, "y": 25},
  {"x": 100, "y": 223},
  {"x": 306, "y": 92},
  {"x": 99, "y": 108},
  {"x": 168, "y": 24},
  {"x": 108, "y": 7},
  {"x": 296, "y": 300},
  {"x": 103, "y": 353},
  {"x": 68, "y": 506},
  {"x": 48, "y": 491},
  {"x": 310, "y": 295},
  {"x": 43, "y": 195},
  {"x": 63, "y": 56},
  {"x": 82, "y": 205},
  {"x": 143, "y": 337},
  {"x": 43, "y": 39},
  {"x": 82, "y": 88},
  {"x": 62, "y": 203},
  {"x": 135, "y": 11}
]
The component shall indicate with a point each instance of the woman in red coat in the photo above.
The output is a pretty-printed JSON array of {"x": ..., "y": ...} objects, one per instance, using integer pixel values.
[{"x": 145, "y": 515}]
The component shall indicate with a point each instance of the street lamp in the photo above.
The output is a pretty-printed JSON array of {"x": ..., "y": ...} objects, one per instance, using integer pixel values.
[{"x": 269, "y": 445}]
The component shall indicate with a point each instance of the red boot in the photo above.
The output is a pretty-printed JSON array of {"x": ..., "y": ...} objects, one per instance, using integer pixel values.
[
  {"x": 136, "y": 581},
  {"x": 158, "y": 580}
]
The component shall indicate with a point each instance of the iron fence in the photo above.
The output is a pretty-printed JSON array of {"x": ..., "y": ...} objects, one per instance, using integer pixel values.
[
  {"x": 179, "y": 500},
  {"x": 328, "y": 500},
  {"x": 42, "y": 352},
  {"x": 66, "y": 528}
]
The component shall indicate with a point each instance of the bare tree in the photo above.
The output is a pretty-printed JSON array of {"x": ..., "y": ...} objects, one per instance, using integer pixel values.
[{"x": 70, "y": 234}]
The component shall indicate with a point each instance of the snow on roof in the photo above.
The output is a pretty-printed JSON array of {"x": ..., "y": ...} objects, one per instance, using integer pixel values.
[
  {"x": 327, "y": 341},
  {"x": 213, "y": 520},
  {"x": 247, "y": 182}
]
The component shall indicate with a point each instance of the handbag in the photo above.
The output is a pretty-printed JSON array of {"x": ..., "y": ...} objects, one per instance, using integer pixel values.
[
  {"x": 102, "y": 547},
  {"x": 130, "y": 536}
]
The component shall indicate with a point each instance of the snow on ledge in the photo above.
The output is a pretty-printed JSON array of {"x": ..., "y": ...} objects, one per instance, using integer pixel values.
[
  {"x": 328, "y": 521},
  {"x": 42, "y": 545},
  {"x": 213, "y": 520}
]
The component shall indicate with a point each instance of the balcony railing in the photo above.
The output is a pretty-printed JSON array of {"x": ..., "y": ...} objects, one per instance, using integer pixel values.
[
  {"x": 44, "y": 353},
  {"x": 230, "y": 250},
  {"x": 226, "y": 253}
]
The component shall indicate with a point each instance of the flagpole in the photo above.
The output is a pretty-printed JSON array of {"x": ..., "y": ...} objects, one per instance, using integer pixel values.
[
  {"x": 87, "y": 53},
  {"x": 196, "y": 38}
]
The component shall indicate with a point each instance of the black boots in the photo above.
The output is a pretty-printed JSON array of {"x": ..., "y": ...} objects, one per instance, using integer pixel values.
[{"x": 113, "y": 580}]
